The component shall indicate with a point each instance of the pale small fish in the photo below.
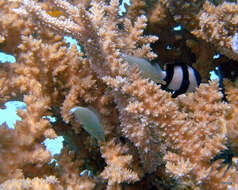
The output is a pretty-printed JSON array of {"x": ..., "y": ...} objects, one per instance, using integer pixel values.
[
  {"x": 146, "y": 68},
  {"x": 180, "y": 78},
  {"x": 90, "y": 122}
]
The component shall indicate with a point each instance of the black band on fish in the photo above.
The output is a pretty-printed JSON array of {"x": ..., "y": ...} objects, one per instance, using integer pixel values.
[
  {"x": 185, "y": 82},
  {"x": 181, "y": 78},
  {"x": 197, "y": 76},
  {"x": 169, "y": 74}
]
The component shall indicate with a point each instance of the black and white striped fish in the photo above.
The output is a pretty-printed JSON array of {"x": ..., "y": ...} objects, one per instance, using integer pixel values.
[{"x": 180, "y": 78}]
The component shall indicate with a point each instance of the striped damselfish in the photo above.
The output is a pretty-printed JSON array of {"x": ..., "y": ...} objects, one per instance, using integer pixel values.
[{"x": 178, "y": 77}]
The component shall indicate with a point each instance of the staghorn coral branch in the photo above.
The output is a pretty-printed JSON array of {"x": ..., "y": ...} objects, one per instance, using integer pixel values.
[
  {"x": 50, "y": 183},
  {"x": 62, "y": 25},
  {"x": 118, "y": 165}
]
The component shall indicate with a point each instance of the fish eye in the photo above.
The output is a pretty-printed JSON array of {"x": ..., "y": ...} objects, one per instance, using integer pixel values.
[{"x": 169, "y": 47}]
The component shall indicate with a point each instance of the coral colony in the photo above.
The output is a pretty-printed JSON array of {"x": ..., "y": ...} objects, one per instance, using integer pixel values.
[{"x": 128, "y": 103}]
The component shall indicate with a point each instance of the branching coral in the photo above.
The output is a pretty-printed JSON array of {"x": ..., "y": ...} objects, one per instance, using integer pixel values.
[
  {"x": 50, "y": 183},
  {"x": 215, "y": 24},
  {"x": 68, "y": 172},
  {"x": 231, "y": 91},
  {"x": 118, "y": 165},
  {"x": 177, "y": 142}
]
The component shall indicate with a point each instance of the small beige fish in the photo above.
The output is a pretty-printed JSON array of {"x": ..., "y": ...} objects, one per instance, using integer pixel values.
[
  {"x": 147, "y": 70},
  {"x": 90, "y": 122}
]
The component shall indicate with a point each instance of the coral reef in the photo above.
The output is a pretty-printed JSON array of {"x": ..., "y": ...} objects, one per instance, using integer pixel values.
[{"x": 152, "y": 141}]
